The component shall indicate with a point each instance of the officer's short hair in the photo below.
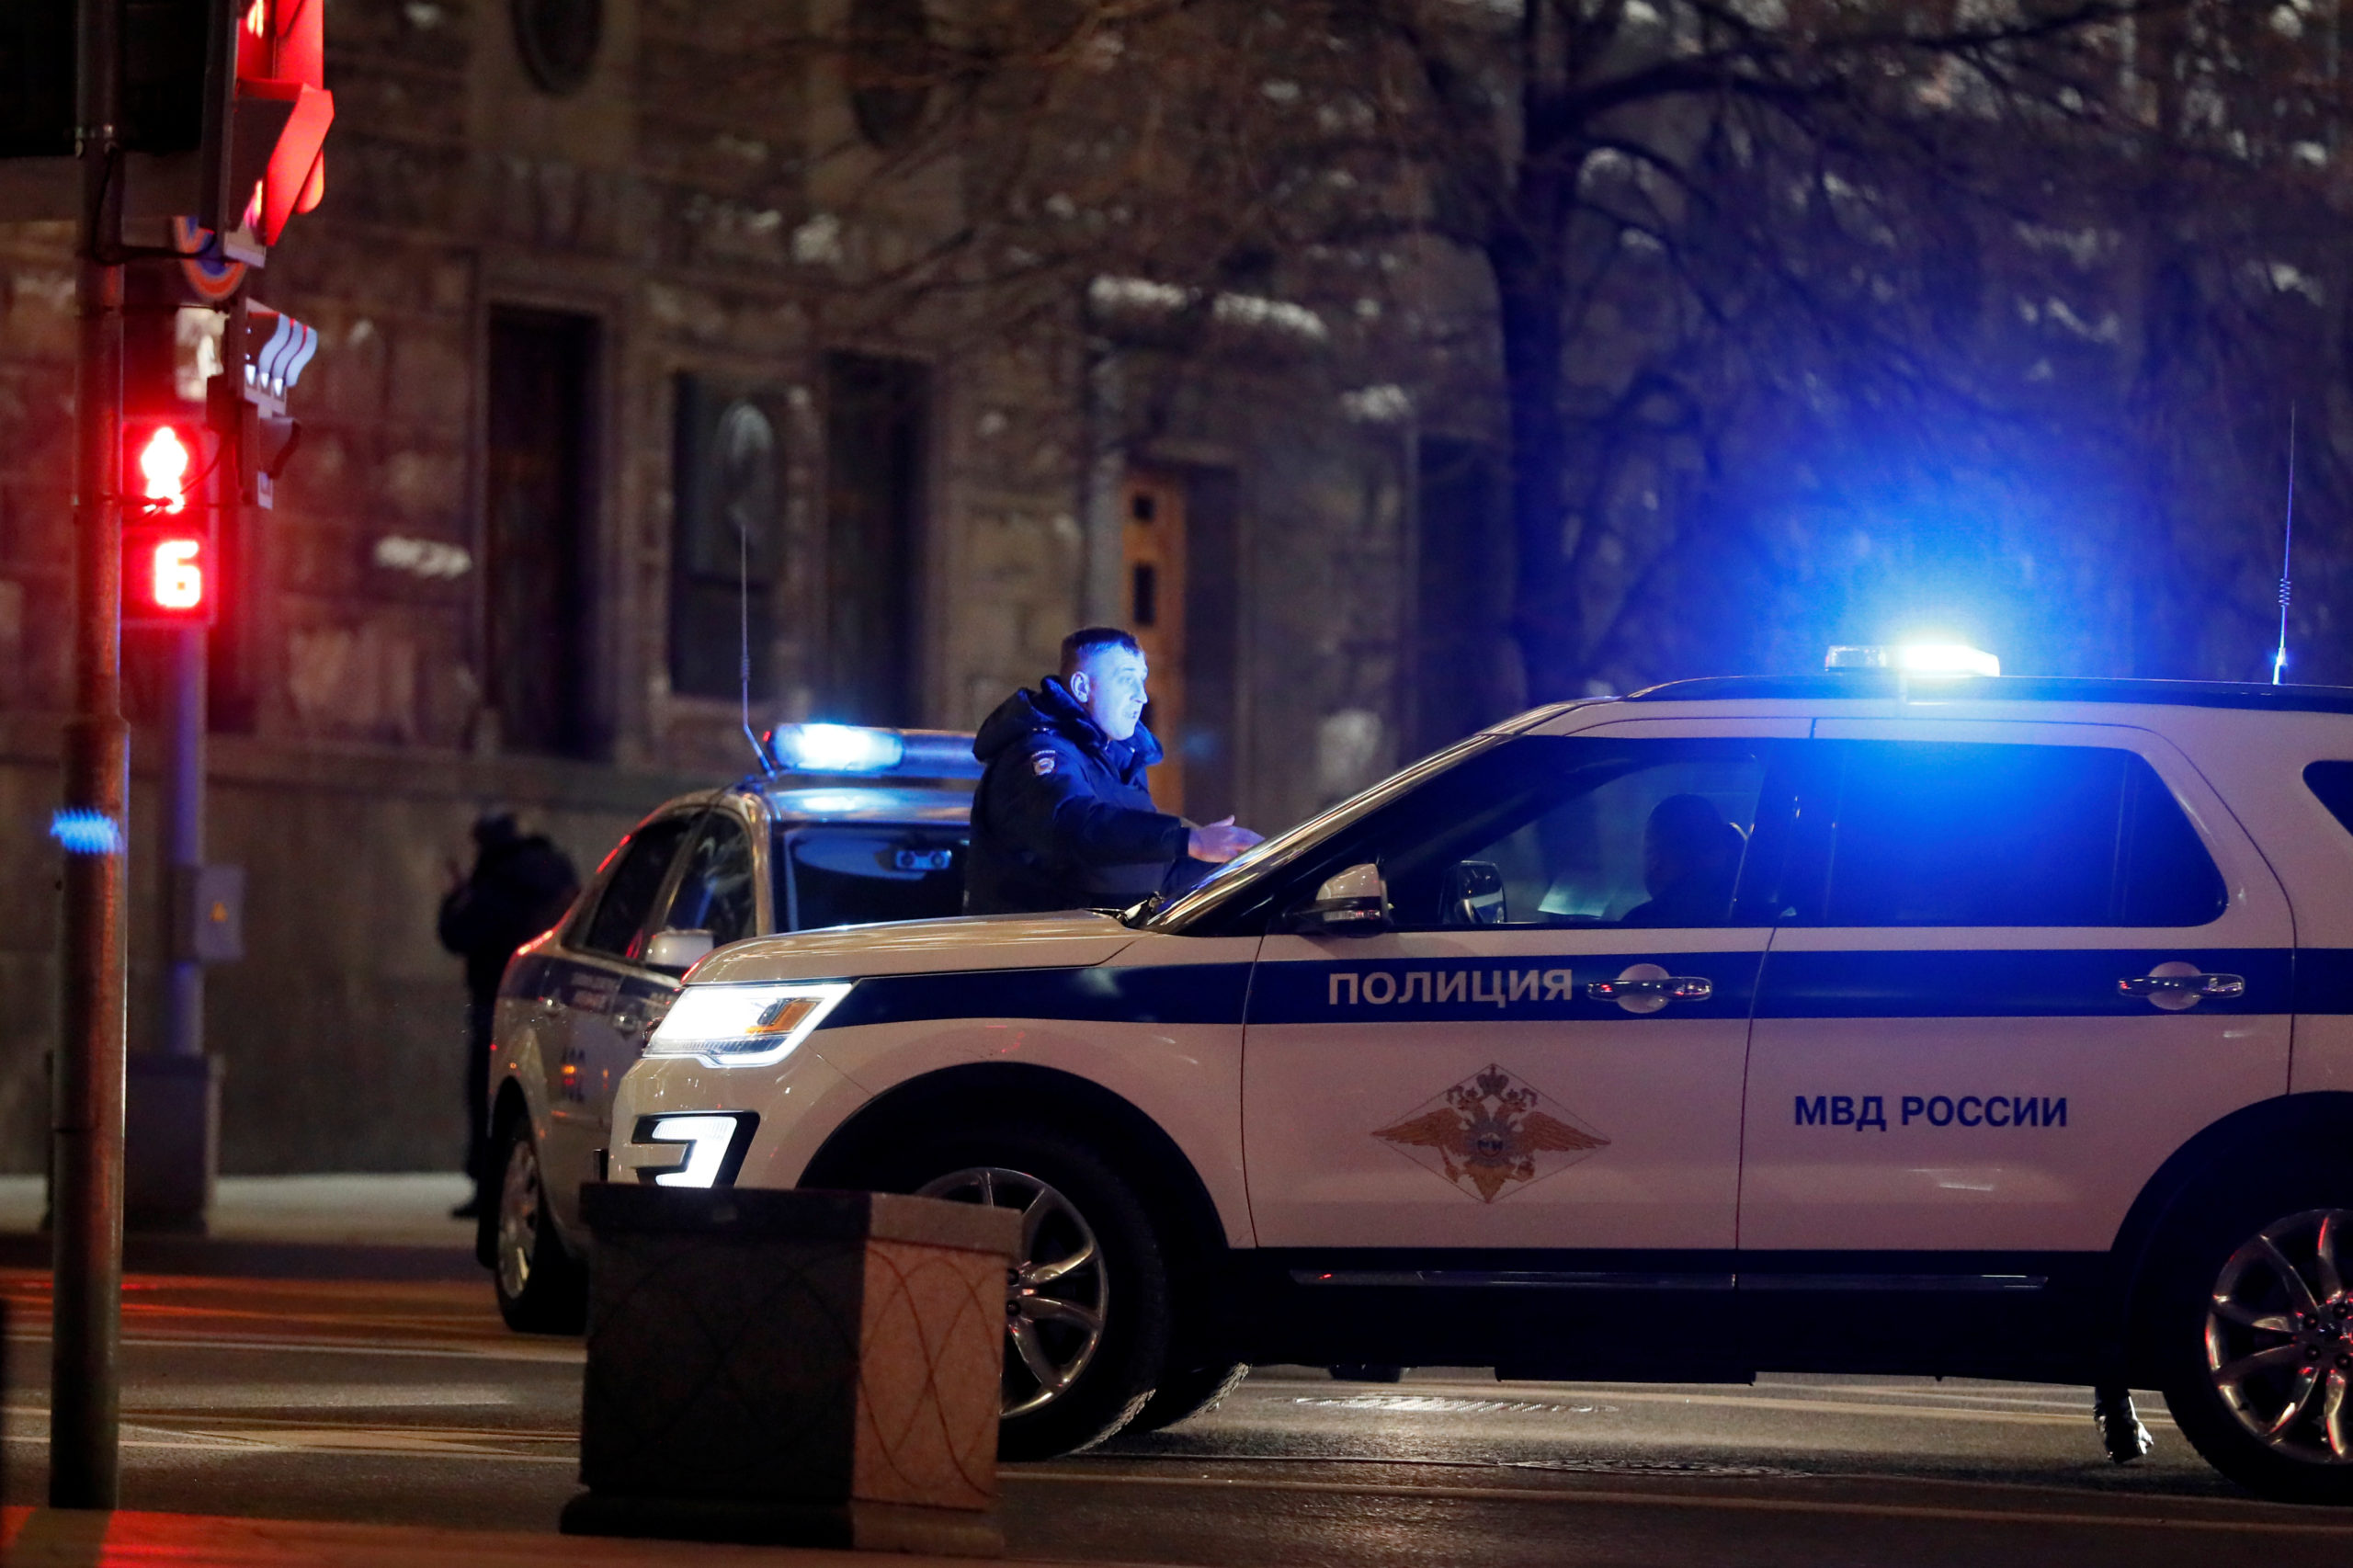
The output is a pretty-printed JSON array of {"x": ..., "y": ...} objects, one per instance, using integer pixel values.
[{"x": 1089, "y": 640}]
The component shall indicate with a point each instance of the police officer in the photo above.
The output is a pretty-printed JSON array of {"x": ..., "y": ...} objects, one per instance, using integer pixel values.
[
  {"x": 1062, "y": 818},
  {"x": 520, "y": 885}
]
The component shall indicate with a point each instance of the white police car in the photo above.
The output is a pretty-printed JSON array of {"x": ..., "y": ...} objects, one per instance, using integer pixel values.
[
  {"x": 852, "y": 825},
  {"x": 1874, "y": 1021}
]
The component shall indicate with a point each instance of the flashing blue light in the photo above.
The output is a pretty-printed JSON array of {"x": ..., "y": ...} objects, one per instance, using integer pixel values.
[
  {"x": 1917, "y": 658},
  {"x": 837, "y": 748},
  {"x": 84, "y": 832}
]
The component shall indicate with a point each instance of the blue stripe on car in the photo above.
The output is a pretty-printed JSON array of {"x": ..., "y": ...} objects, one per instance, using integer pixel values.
[
  {"x": 1184, "y": 993},
  {"x": 1910, "y": 983},
  {"x": 2074, "y": 982}
]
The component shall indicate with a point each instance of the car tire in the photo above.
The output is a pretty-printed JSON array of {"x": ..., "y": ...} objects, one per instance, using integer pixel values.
[
  {"x": 1183, "y": 1395},
  {"x": 2253, "y": 1324},
  {"x": 541, "y": 1288},
  {"x": 1088, "y": 1304}
]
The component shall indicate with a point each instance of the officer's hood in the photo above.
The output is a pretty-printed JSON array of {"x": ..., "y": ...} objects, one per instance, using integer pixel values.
[{"x": 1051, "y": 710}]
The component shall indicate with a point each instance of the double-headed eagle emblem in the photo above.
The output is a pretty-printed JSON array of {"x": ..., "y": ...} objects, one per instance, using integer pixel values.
[{"x": 1486, "y": 1135}]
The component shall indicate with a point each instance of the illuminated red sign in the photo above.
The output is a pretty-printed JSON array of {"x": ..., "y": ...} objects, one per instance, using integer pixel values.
[
  {"x": 282, "y": 106},
  {"x": 167, "y": 550},
  {"x": 166, "y": 575}
]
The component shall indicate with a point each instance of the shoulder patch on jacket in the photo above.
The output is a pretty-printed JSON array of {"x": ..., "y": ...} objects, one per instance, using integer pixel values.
[{"x": 1042, "y": 762}]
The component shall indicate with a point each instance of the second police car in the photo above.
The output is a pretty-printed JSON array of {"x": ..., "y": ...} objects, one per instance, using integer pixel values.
[
  {"x": 849, "y": 825},
  {"x": 1872, "y": 1021}
]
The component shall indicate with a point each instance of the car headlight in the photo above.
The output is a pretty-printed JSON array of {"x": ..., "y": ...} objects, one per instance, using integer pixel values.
[{"x": 744, "y": 1026}]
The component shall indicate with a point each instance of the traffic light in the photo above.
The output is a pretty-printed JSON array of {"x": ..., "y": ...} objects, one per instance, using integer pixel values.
[
  {"x": 269, "y": 160},
  {"x": 263, "y": 354},
  {"x": 167, "y": 513}
]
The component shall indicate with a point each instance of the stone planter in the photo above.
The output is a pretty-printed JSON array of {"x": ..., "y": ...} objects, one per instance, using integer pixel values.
[{"x": 811, "y": 1368}]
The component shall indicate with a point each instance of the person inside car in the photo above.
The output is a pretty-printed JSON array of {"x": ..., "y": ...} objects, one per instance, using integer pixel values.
[{"x": 1690, "y": 860}]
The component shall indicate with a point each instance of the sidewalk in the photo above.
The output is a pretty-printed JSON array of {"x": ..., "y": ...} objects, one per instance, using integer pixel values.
[
  {"x": 301, "y": 1227},
  {"x": 50, "y": 1538}
]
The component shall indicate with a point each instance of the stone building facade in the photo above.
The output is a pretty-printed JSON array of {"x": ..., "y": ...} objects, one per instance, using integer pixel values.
[{"x": 594, "y": 357}]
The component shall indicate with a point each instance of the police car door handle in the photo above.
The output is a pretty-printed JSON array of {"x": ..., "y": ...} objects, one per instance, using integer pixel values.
[
  {"x": 1666, "y": 988},
  {"x": 2182, "y": 987}
]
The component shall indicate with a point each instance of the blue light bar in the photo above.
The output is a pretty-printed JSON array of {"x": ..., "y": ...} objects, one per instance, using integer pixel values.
[
  {"x": 1917, "y": 658},
  {"x": 836, "y": 748},
  {"x": 854, "y": 749}
]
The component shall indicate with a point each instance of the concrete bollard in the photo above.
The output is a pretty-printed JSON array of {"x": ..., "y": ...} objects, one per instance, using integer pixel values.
[{"x": 794, "y": 1368}]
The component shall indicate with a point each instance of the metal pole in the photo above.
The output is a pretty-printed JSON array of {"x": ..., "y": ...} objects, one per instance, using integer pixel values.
[
  {"x": 184, "y": 833},
  {"x": 86, "y": 1137},
  {"x": 1103, "y": 526}
]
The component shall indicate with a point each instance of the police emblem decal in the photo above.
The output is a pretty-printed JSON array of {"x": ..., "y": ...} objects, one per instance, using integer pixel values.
[
  {"x": 1485, "y": 1136},
  {"x": 1042, "y": 764}
]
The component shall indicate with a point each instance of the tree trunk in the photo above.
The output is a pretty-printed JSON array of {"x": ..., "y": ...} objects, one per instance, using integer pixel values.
[{"x": 1546, "y": 619}]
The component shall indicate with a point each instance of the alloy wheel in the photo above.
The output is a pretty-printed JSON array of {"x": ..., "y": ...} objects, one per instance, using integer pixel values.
[
  {"x": 518, "y": 1217},
  {"x": 2279, "y": 1336},
  {"x": 1056, "y": 1294}
]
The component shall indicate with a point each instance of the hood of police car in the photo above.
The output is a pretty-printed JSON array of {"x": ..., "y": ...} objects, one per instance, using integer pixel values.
[{"x": 918, "y": 946}]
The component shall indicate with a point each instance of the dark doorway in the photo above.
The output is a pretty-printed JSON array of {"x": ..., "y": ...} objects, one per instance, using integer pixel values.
[
  {"x": 1461, "y": 658},
  {"x": 877, "y": 414},
  {"x": 539, "y": 497}
]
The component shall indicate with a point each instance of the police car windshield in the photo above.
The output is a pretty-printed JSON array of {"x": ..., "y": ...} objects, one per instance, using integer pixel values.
[
  {"x": 859, "y": 874},
  {"x": 1284, "y": 848}
]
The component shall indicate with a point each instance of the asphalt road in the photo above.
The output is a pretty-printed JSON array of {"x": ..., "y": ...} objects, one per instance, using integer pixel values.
[{"x": 408, "y": 1403}]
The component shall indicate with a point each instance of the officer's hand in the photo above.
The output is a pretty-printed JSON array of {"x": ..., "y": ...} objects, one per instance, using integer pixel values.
[{"x": 1218, "y": 842}]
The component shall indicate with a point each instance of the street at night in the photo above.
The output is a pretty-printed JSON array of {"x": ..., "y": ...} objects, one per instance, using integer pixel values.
[
  {"x": 1241, "y": 783},
  {"x": 410, "y": 1403}
]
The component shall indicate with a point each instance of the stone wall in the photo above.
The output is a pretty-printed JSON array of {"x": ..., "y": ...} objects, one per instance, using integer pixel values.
[{"x": 675, "y": 201}]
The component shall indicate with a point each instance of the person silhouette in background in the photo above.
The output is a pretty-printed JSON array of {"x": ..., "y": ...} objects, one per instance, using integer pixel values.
[{"x": 520, "y": 885}]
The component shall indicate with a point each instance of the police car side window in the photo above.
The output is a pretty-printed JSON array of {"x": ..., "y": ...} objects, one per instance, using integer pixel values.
[
  {"x": 2332, "y": 784},
  {"x": 715, "y": 889},
  {"x": 627, "y": 899},
  {"x": 1961, "y": 833},
  {"x": 1577, "y": 832}
]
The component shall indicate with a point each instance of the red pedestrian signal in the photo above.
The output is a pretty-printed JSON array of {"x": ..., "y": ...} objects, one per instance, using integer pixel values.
[
  {"x": 167, "y": 543},
  {"x": 166, "y": 577},
  {"x": 166, "y": 463}
]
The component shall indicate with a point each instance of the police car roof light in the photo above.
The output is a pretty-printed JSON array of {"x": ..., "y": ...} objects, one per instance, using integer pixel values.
[
  {"x": 1915, "y": 658},
  {"x": 836, "y": 748},
  {"x": 856, "y": 749}
]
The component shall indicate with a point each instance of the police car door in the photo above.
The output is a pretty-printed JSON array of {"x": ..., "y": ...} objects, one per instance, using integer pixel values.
[
  {"x": 715, "y": 889},
  {"x": 1483, "y": 1074},
  {"x": 602, "y": 976},
  {"x": 1983, "y": 1028}
]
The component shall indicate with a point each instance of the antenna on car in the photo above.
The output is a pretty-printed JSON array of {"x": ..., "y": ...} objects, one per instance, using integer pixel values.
[
  {"x": 743, "y": 637},
  {"x": 2287, "y": 548}
]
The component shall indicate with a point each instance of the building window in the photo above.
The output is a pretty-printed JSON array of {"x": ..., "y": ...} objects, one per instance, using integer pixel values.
[
  {"x": 540, "y": 497},
  {"x": 890, "y": 68},
  {"x": 877, "y": 418},
  {"x": 558, "y": 40},
  {"x": 728, "y": 546}
]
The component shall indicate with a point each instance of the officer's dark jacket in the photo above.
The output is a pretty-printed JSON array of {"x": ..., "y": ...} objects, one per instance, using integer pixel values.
[
  {"x": 520, "y": 886},
  {"x": 1062, "y": 818}
]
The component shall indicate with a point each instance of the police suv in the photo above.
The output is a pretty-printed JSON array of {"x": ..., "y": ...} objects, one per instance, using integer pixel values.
[
  {"x": 790, "y": 850},
  {"x": 1877, "y": 1021}
]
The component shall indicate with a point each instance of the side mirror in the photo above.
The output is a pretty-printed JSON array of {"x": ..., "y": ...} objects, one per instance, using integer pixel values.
[
  {"x": 677, "y": 950},
  {"x": 1353, "y": 903},
  {"x": 1474, "y": 895}
]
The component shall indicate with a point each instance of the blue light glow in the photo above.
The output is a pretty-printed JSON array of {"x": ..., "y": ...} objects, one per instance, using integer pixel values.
[
  {"x": 84, "y": 832},
  {"x": 837, "y": 748}
]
